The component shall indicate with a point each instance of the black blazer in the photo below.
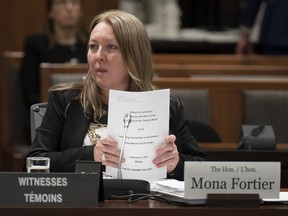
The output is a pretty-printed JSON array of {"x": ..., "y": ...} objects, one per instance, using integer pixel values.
[
  {"x": 61, "y": 135},
  {"x": 274, "y": 27}
]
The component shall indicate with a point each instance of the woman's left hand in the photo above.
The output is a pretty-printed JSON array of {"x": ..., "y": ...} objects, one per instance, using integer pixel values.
[{"x": 167, "y": 154}]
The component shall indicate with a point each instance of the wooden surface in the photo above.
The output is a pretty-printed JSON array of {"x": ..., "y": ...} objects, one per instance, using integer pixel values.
[
  {"x": 219, "y": 59},
  {"x": 280, "y": 147},
  {"x": 48, "y": 69},
  {"x": 145, "y": 207},
  {"x": 190, "y": 70},
  {"x": 10, "y": 153}
]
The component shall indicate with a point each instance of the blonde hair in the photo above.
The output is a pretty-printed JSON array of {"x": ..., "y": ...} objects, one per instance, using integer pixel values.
[{"x": 136, "y": 51}]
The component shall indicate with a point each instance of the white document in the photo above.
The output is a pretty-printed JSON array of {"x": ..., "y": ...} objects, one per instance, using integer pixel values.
[
  {"x": 173, "y": 190},
  {"x": 147, "y": 131},
  {"x": 168, "y": 186}
]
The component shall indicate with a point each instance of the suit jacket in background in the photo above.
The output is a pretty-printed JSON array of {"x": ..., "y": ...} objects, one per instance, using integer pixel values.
[{"x": 274, "y": 27}]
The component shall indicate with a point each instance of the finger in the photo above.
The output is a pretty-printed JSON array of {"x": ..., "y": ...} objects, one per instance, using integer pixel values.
[
  {"x": 110, "y": 160},
  {"x": 169, "y": 154},
  {"x": 108, "y": 141},
  {"x": 170, "y": 162},
  {"x": 109, "y": 148},
  {"x": 167, "y": 147},
  {"x": 171, "y": 138}
]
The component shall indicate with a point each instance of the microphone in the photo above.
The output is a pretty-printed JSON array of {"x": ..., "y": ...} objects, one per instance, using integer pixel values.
[
  {"x": 127, "y": 120},
  {"x": 255, "y": 132},
  {"x": 258, "y": 130}
]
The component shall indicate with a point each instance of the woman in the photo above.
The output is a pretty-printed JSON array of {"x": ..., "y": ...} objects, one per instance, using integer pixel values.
[
  {"x": 63, "y": 41},
  {"x": 119, "y": 57}
]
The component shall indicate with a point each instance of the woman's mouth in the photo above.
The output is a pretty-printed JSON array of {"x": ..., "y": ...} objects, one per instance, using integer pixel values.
[{"x": 100, "y": 70}]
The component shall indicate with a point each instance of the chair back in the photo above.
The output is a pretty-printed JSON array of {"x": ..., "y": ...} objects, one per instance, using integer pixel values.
[
  {"x": 203, "y": 132},
  {"x": 196, "y": 103},
  {"x": 51, "y": 74},
  {"x": 269, "y": 108},
  {"x": 37, "y": 113}
]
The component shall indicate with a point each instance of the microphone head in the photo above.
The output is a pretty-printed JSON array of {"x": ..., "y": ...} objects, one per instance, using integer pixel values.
[
  {"x": 127, "y": 119},
  {"x": 256, "y": 131}
]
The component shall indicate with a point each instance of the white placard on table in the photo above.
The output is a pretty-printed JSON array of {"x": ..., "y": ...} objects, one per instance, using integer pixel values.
[{"x": 202, "y": 178}]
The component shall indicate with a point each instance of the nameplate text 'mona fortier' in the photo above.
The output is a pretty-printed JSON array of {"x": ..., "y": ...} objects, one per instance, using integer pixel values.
[{"x": 202, "y": 178}]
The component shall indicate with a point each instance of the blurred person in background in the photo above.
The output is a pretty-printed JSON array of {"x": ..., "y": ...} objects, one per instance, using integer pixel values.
[
  {"x": 273, "y": 37},
  {"x": 63, "y": 41}
]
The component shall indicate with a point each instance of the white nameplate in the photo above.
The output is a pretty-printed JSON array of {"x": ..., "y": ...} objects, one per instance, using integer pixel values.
[{"x": 202, "y": 178}]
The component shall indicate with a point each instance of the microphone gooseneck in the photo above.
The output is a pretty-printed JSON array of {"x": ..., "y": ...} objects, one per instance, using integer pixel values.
[{"x": 127, "y": 120}]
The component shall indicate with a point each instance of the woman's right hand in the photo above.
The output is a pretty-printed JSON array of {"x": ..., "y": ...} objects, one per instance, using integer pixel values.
[{"x": 107, "y": 152}]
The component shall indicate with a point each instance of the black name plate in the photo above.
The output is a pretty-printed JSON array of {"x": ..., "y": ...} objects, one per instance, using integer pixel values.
[{"x": 49, "y": 189}]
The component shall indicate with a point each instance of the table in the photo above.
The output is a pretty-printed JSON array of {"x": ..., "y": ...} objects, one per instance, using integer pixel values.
[
  {"x": 218, "y": 151},
  {"x": 145, "y": 207}
]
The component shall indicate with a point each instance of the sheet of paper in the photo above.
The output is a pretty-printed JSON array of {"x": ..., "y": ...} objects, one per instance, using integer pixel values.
[
  {"x": 283, "y": 198},
  {"x": 173, "y": 190},
  {"x": 147, "y": 131},
  {"x": 168, "y": 186}
]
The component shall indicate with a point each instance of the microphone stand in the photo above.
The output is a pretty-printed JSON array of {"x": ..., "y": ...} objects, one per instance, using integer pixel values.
[{"x": 127, "y": 120}]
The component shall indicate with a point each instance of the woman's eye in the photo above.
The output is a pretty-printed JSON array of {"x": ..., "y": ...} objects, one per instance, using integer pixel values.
[
  {"x": 112, "y": 47},
  {"x": 93, "y": 47}
]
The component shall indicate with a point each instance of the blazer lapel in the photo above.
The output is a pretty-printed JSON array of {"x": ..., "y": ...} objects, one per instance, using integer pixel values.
[{"x": 76, "y": 125}]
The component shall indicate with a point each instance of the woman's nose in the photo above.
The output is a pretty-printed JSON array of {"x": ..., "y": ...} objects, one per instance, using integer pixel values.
[{"x": 100, "y": 55}]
